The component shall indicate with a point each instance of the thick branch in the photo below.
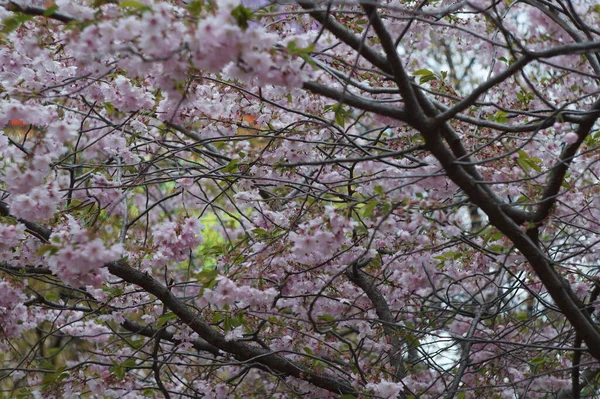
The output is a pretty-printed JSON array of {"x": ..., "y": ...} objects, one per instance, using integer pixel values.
[
  {"x": 212, "y": 150},
  {"x": 515, "y": 67},
  {"x": 37, "y": 11},
  {"x": 357, "y": 102},
  {"x": 593, "y": 59},
  {"x": 150, "y": 332},
  {"x": 36, "y": 229},
  {"x": 346, "y": 36},
  {"x": 562, "y": 166},
  {"x": 241, "y": 351},
  {"x": 558, "y": 288},
  {"x": 384, "y": 313},
  {"x": 214, "y": 340},
  {"x": 415, "y": 111}
]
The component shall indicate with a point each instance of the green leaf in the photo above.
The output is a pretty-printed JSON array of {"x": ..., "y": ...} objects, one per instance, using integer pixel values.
[
  {"x": 427, "y": 78},
  {"x": 369, "y": 207},
  {"x": 497, "y": 248},
  {"x": 422, "y": 72},
  {"x": 232, "y": 166},
  {"x": 522, "y": 155},
  {"x": 47, "y": 366},
  {"x": 339, "y": 119},
  {"x": 137, "y": 343},
  {"x": 47, "y": 248},
  {"x": 135, "y": 5},
  {"x": 242, "y": 15},
  {"x": 50, "y": 10},
  {"x": 326, "y": 318},
  {"x": 535, "y": 164},
  {"x": 260, "y": 233},
  {"x": 340, "y": 113},
  {"x": 302, "y": 52},
  {"x": 163, "y": 319},
  {"x": 117, "y": 370},
  {"x": 207, "y": 275},
  {"x": 23, "y": 393},
  {"x": 450, "y": 255},
  {"x": 13, "y": 23},
  {"x": 52, "y": 297},
  {"x": 528, "y": 163},
  {"x": 56, "y": 377},
  {"x": 387, "y": 207},
  {"x": 54, "y": 351},
  {"x": 348, "y": 396},
  {"x": 500, "y": 117},
  {"x": 110, "y": 108},
  {"x": 195, "y": 7},
  {"x": 491, "y": 235},
  {"x": 129, "y": 363},
  {"x": 425, "y": 74},
  {"x": 537, "y": 361},
  {"x": 295, "y": 50}
]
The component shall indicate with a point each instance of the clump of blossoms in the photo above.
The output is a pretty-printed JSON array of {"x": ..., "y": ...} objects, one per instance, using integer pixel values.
[
  {"x": 174, "y": 241},
  {"x": 220, "y": 40},
  {"x": 108, "y": 197},
  {"x": 77, "y": 258},
  {"x": 26, "y": 171},
  {"x": 386, "y": 389},
  {"x": 313, "y": 244},
  {"x": 13, "y": 314},
  {"x": 227, "y": 292},
  {"x": 10, "y": 236}
]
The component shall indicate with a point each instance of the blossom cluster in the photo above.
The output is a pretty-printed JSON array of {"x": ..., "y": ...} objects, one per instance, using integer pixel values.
[
  {"x": 77, "y": 257},
  {"x": 10, "y": 236},
  {"x": 159, "y": 40},
  {"x": 14, "y": 316},
  {"x": 27, "y": 171},
  {"x": 227, "y": 292},
  {"x": 174, "y": 241}
]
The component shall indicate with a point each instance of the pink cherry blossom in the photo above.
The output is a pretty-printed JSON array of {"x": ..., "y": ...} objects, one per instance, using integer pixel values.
[
  {"x": 570, "y": 138},
  {"x": 243, "y": 199}
]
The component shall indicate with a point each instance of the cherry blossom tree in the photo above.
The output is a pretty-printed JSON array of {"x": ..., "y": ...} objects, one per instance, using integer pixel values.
[{"x": 224, "y": 199}]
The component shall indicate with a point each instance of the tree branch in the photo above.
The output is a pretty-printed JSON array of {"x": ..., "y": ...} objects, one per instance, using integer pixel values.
[
  {"x": 38, "y": 11},
  {"x": 355, "y": 101},
  {"x": 239, "y": 350},
  {"x": 150, "y": 332},
  {"x": 558, "y": 288},
  {"x": 562, "y": 165},
  {"x": 346, "y": 36},
  {"x": 361, "y": 280}
]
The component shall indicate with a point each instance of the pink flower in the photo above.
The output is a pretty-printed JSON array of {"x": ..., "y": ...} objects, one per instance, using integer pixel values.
[
  {"x": 386, "y": 389},
  {"x": 13, "y": 314},
  {"x": 10, "y": 235},
  {"x": 79, "y": 260},
  {"x": 570, "y": 138}
]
